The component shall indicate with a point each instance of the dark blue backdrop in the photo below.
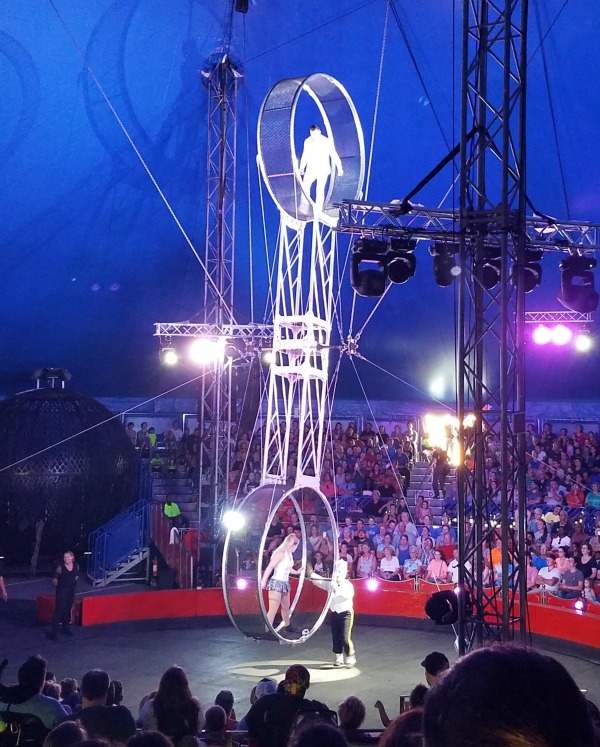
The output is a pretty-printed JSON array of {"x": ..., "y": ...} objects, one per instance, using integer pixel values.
[{"x": 90, "y": 257}]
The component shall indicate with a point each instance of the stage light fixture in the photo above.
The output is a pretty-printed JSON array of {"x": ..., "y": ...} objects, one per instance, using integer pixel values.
[
  {"x": 241, "y": 583},
  {"x": 168, "y": 354},
  {"x": 488, "y": 267},
  {"x": 532, "y": 270},
  {"x": 401, "y": 262},
  {"x": 369, "y": 281},
  {"x": 267, "y": 357},
  {"x": 205, "y": 350},
  {"x": 442, "y": 606},
  {"x": 583, "y": 341},
  {"x": 561, "y": 335},
  {"x": 577, "y": 290},
  {"x": 372, "y": 584},
  {"x": 233, "y": 520},
  {"x": 445, "y": 268},
  {"x": 541, "y": 335}
]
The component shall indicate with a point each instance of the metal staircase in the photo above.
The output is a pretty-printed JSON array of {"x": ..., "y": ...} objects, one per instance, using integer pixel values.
[
  {"x": 118, "y": 547},
  {"x": 421, "y": 479}
]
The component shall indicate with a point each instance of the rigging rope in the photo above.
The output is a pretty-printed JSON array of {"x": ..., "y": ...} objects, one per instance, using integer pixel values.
[
  {"x": 103, "y": 422},
  {"x": 418, "y": 71},
  {"x": 311, "y": 31},
  {"x": 377, "y": 96},
  {"x": 561, "y": 168},
  {"x": 140, "y": 157}
]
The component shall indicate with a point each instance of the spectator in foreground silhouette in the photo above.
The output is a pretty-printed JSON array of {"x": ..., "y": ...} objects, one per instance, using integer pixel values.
[
  {"x": 498, "y": 697},
  {"x": 101, "y": 721}
]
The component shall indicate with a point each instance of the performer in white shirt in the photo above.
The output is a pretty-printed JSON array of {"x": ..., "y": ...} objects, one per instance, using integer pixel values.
[
  {"x": 318, "y": 162},
  {"x": 342, "y": 611}
]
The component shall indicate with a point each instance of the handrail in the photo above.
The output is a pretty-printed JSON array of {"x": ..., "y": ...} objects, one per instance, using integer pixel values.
[
  {"x": 177, "y": 556},
  {"x": 99, "y": 540}
]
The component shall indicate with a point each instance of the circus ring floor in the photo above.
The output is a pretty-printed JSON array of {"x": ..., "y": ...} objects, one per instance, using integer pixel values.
[{"x": 189, "y": 628}]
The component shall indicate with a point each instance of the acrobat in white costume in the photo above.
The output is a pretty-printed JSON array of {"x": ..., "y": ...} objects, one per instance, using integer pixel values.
[
  {"x": 341, "y": 604},
  {"x": 319, "y": 161}
]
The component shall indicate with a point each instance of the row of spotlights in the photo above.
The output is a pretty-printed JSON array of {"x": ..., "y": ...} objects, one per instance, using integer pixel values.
[
  {"x": 562, "y": 335},
  {"x": 202, "y": 351}
]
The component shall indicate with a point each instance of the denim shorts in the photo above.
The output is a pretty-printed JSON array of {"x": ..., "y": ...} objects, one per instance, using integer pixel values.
[{"x": 282, "y": 587}]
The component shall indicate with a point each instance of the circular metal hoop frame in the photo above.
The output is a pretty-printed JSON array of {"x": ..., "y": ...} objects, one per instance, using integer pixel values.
[
  {"x": 277, "y": 157},
  {"x": 255, "y": 605}
]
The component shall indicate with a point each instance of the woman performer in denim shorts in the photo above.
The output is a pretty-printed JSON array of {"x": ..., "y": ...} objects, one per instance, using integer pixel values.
[{"x": 280, "y": 565}]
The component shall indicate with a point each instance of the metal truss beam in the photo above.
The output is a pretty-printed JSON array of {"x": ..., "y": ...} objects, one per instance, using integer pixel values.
[
  {"x": 557, "y": 317},
  {"x": 438, "y": 224}
]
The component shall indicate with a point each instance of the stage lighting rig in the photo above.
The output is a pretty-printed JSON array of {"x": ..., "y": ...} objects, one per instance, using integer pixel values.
[
  {"x": 532, "y": 270},
  {"x": 401, "y": 261},
  {"x": 445, "y": 268},
  {"x": 369, "y": 282},
  {"x": 375, "y": 261},
  {"x": 577, "y": 289},
  {"x": 488, "y": 265}
]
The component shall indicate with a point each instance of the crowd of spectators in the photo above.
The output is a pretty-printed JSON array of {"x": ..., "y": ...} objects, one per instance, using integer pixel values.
[
  {"x": 366, "y": 476},
  {"x": 490, "y": 697}
]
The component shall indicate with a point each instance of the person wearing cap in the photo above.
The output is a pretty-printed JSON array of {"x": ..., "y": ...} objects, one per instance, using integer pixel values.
[
  {"x": 434, "y": 664},
  {"x": 342, "y": 612},
  {"x": 271, "y": 718},
  {"x": 265, "y": 686}
]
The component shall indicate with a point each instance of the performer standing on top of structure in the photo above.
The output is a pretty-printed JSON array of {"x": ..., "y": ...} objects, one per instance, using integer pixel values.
[{"x": 318, "y": 162}]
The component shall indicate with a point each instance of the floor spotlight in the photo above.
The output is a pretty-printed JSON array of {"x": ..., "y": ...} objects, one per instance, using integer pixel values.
[
  {"x": 442, "y": 607},
  {"x": 577, "y": 290},
  {"x": 445, "y": 268},
  {"x": 401, "y": 262},
  {"x": 368, "y": 270}
]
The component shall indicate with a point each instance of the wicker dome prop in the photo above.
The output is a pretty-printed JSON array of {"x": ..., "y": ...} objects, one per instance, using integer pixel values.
[{"x": 73, "y": 487}]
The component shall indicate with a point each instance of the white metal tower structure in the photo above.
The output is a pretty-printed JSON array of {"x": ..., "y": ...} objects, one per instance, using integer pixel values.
[{"x": 304, "y": 281}]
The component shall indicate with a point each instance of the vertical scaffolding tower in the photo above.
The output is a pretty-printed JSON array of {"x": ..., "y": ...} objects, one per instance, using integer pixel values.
[
  {"x": 215, "y": 395},
  {"x": 491, "y": 310}
]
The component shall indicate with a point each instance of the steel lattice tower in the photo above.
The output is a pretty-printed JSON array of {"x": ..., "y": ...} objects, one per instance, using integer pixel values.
[
  {"x": 493, "y": 235},
  {"x": 491, "y": 309}
]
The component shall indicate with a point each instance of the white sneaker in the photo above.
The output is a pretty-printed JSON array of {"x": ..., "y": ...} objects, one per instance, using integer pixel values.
[
  {"x": 351, "y": 661},
  {"x": 339, "y": 660}
]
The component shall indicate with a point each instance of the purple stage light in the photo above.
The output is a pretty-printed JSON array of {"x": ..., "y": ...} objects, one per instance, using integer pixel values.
[
  {"x": 372, "y": 584},
  {"x": 241, "y": 584},
  {"x": 561, "y": 335},
  {"x": 541, "y": 335},
  {"x": 579, "y": 605}
]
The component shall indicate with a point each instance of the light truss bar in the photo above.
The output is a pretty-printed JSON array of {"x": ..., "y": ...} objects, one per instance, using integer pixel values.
[
  {"x": 260, "y": 332},
  {"x": 437, "y": 224},
  {"x": 557, "y": 317}
]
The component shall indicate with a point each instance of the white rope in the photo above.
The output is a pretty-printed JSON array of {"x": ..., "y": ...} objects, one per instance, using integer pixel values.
[
  {"x": 102, "y": 422},
  {"x": 377, "y": 96},
  {"x": 145, "y": 166}
]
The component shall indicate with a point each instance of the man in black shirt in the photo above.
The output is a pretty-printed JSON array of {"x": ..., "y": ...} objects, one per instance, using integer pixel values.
[
  {"x": 66, "y": 573},
  {"x": 271, "y": 718},
  {"x": 114, "y": 723}
]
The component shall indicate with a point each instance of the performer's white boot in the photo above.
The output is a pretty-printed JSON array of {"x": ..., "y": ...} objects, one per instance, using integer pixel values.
[{"x": 339, "y": 660}]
